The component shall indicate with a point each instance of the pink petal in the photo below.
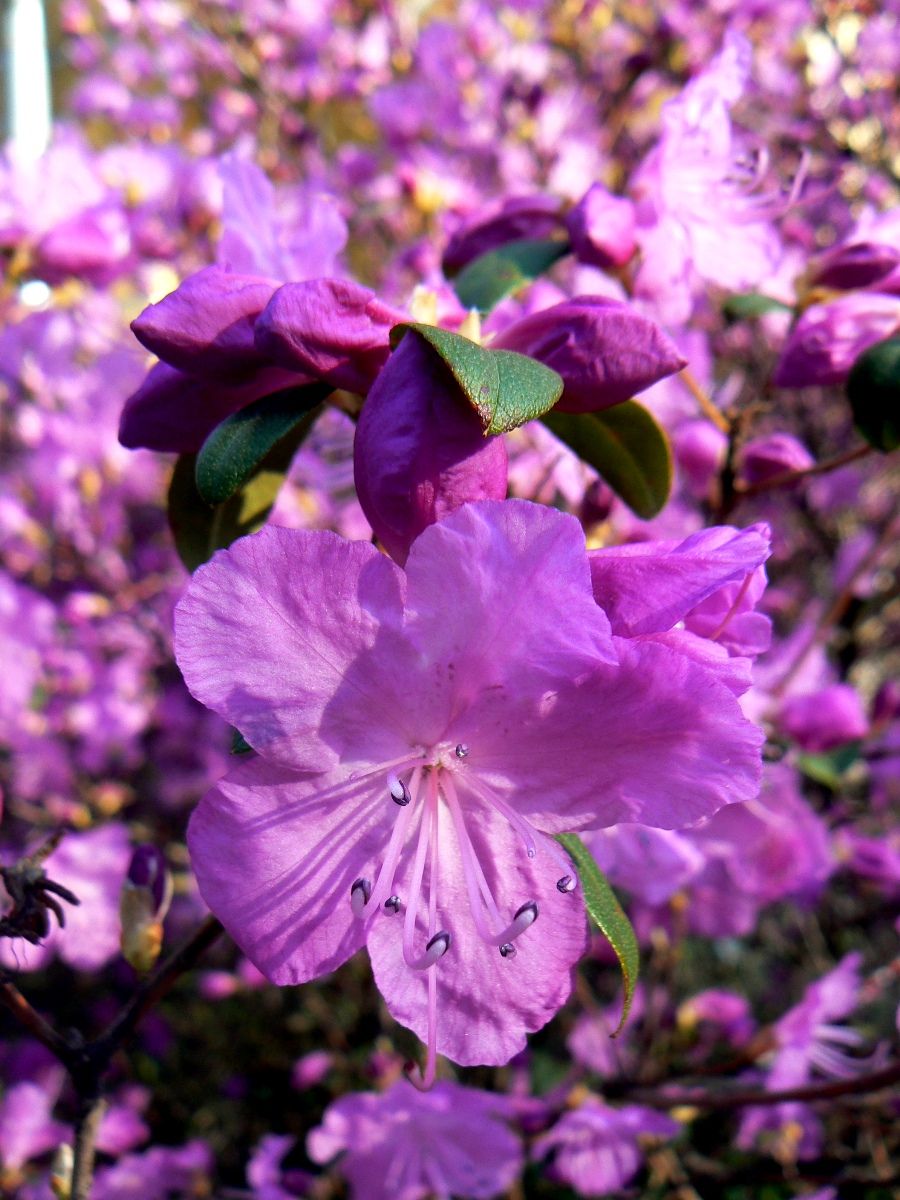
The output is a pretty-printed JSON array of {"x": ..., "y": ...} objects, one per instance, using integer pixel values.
[
  {"x": 275, "y": 861},
  {"x": 486, "y": 1004},
  {"x": 295, "y": 638}
]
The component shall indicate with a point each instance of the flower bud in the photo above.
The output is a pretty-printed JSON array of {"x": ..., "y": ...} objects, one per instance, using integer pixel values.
[
  {"x": 143, "y": 904},
  {"x": 601, "y": 228}
]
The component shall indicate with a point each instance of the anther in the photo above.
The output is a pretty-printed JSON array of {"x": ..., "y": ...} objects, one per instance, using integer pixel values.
[
  {"x": 437, "y": 946},
  {"x": 508, "y": 950},
  {"x": 526, "y": 915},
  {"x": 566, "y": 884},
  {"x": 392, "y": 904},
  {"x": 462, "y": 750},
  {"x": 399, "y": 791},
  {"x": 359, "y": 896}
]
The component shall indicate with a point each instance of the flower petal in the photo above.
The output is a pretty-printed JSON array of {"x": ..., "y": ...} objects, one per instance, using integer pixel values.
[
  {"x": 294, "y": 638},
  {"x": 658, "y": 740},
  {"x": 486, "y": 1003},
  {"x": 275, "y": 859}
]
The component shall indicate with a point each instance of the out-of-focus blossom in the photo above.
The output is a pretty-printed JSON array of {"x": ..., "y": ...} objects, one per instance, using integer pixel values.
[
  {"x": 597, "y": 1148},
  {"x": 601, "y": 228},
  {"x": 405, "y": 1144},
  {"x": 764, "y": 458},
  {"x": 819, "y": 721},
  {"x": 92, "y": 866},
  {"x": 808, "y": 1039}
]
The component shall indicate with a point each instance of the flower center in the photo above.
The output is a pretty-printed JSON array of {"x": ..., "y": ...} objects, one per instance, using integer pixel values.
[{"x": 415, "y": 790}]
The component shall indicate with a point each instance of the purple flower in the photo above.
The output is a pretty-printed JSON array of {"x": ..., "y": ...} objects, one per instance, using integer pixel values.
[
  {"x": 419, "y": 735},
  {"x": 517, "y": 218},
  {"x": 408, "y": 1145},
  {"x": 596, "y": 1147},
  {"x": 267, "y": 1179},
  {"x": 808, "y": 1040},
  {"x": 27, "y": 1128},
  {"x": 764, "y": 458},
  {"x": 829, "y": 338}
]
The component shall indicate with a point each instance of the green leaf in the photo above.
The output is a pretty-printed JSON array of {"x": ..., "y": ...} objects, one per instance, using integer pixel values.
[
  {"x": 474, "y": 368},
  {"x": 873, "y": 389},
  {"x": 200, "y": 529},
  {"x": 236, "y": 447},
  {"x": 627, "y": 446},
  {"x": 239, "y": 744},
  {"x": 752, "y": 304},
  {"x": 506, "y": 389},
  {"x": 491, "y": 277},
  {"x": 528, "y": 390},
  {"x": 607, "y": 913},
  {"x": 829, "y": 768}
]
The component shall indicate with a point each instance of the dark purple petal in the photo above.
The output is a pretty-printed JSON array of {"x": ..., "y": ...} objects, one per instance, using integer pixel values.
[
  {"x": 420, "y": 450},
  {"x": 330, "y": 329},
  {"x": 604, "y": 350},
  {"x": 205, "y": 327},
  {"x": 518, "y": 218}
]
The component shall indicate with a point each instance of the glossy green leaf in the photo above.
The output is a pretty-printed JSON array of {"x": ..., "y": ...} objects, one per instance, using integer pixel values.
[
  {"x": 239, "y": 744},
  {"x": 873, "y": 389},
  {"x": 474, "y": 368},
  {"x": 629, "y": 449},
  {"x": 237, "y": 446},
  {"x": 829, "y": 768},
  {"x": 607, "y": 913},
  {"x": 491, "y": 277},
  {"x": 505, "y": 389},
  {"x": 199, "y": 529},
  {"x": 752, "y": 304}
]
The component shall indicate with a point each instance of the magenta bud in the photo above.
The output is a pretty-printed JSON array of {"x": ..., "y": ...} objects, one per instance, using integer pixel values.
[
  {"x": 205, "y": 327},
  {"x": 329, "y": 329},
  {"x": 148, "y": 870},
  {"x": 859, "y": 265},
  {"x": 700, "y": 451},
  {"x": 822, "y": 720},
  {"x": 765, "y": 458},
  {"x": 601, "y": 229},
  {"x": 829, "y": 338},
  {"x": 519, "y": 218},
  {"x": 420, "y": 450},
  {"x": 604, "y": 350}
]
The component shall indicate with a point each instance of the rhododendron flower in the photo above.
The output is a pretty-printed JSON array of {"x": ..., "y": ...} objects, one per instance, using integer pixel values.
[
  {"x": 420, "y": 734},
  {"x": 596, "y": 1146},
  {"x": 808, "y": 1041},
  {"x": 403, "y": 1145}
]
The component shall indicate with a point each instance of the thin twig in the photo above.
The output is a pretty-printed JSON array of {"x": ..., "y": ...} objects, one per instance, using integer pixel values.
[
  {"x": 86, "y": 1129},
  {"x": 874, "y": 1082},
  {"x": 783, "y": 478},
  {"x": 709, "y": 410},
  {"x": 15, "y": 1002},
  {"x": 156, "y": 986}
]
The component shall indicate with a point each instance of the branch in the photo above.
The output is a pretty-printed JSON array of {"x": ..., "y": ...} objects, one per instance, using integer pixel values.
[
  {"x": 873, "y": 1082},
  {"x": 15, "y": 1002},
  {"x": 743, "y": 490}
]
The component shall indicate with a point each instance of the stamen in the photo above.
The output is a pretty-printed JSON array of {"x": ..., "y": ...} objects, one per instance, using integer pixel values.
[
  {"x": 424, "y": 1079},
  {"x": 359, "y": 896},
  {"x": 462, "y": 750},
  {"x": 480, "y": 895},
  {"x": 399, "y": 791},
  {"x": 438, "y": 944},
  {"x": 726, "y": 620},
  {"x": 508, "y": 950},
  {"x": 384, "y": 884},
  {"x": 392, "y": 904},
  {"x": 521, "y": 826},
  {"x": 567, "y": 884}
]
